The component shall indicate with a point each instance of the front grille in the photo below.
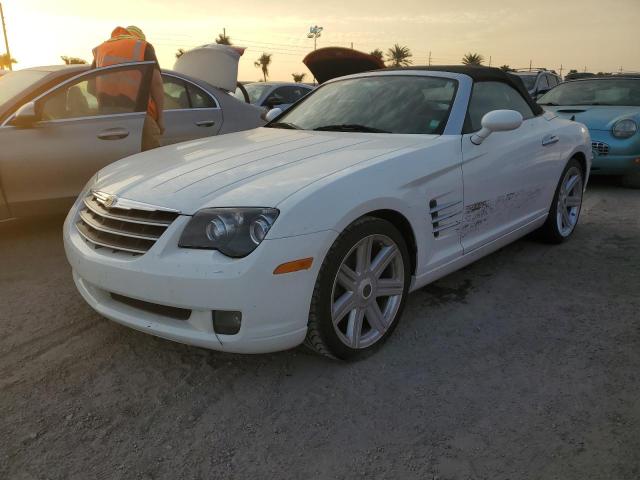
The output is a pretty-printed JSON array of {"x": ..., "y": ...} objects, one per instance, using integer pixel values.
[
  {"x": 600, "y": 148},
  {"x": 129, "y": 230}
]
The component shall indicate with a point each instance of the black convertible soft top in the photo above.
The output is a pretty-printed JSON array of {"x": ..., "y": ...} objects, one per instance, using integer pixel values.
[{"x": 484, "y": 74}]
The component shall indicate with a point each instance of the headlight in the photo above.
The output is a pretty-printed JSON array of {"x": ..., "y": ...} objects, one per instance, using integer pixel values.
[
  {"x": 625, "y": 128},
  {"x": 235, "y": 232}
]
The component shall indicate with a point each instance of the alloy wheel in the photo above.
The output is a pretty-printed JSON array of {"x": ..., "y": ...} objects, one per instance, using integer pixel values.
[
  {"x": 367, "y": 291},
  {"x": 569, "y": 201}
]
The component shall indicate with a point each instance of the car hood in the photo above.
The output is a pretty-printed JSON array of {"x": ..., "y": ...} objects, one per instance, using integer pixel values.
[
  {"x": 259, "y": 167},
  {"x": 595, "y": 117}
]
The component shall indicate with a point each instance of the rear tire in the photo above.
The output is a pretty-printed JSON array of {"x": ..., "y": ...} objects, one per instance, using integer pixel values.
[
  {"x": 361, "y": 290},
  {"x": 565, "y": 208}
]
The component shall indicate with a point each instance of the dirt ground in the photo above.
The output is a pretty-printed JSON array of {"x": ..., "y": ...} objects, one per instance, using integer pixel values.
[{"x": 525, "y": 365}]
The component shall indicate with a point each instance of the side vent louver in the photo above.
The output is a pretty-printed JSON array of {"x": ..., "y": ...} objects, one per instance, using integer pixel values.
[{"x": 444, "y": 216}]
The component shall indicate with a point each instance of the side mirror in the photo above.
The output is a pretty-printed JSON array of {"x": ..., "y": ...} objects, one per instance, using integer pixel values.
[
  {"x": 26, "y": 115},
  {"x": 497, "y": 121},
  {"x": 273, "y": 113}
]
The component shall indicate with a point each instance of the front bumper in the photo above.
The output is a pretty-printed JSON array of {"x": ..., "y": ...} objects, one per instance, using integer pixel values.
[
  {"x": 274, "y": 308},
  {"x": 615, "y": 164},
  {"x": 621, "y": 158}
]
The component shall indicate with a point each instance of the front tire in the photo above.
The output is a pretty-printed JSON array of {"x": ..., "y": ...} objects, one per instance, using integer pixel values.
[
  {"x": 567, "y": 203},
  {"x": 361, "y": 290}
]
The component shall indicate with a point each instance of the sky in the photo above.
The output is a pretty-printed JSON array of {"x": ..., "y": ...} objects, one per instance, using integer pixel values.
[{"x": 599, "y": 35}]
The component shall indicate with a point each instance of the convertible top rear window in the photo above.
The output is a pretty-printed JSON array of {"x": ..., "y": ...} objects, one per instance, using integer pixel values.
[{"x": 385, "y": 104}]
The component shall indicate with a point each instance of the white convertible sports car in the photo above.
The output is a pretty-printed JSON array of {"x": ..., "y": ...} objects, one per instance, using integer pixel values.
[{"x": 316, "y": 227}]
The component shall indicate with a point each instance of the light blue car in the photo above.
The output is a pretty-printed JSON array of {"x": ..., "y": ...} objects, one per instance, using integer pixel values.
[{"x": 610, "y": 108}]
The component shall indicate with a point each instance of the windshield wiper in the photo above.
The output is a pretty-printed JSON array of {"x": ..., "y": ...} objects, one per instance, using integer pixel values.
[
  {"x": 349, "y": 127},
  {"x": 288, "y": 125}
]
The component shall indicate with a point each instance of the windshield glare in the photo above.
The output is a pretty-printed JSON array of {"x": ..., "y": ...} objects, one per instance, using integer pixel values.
[
  {"x": 614, "y": 92},
  {"x": 391, "y": 103},
  {"x": 12, "y": 83}
]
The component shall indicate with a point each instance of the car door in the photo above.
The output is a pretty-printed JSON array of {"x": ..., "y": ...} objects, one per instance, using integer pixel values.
[
  {"x": 506, "y": 176},
  {"x": 190, "y": 112},
  {"x": 44, "y": 166}
]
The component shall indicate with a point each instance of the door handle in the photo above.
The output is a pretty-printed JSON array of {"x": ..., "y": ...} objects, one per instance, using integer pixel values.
[
  {"x": 206, "y": 123},
  {"x": 550, "y": 140},
  {"x": 113, "y": 134}
]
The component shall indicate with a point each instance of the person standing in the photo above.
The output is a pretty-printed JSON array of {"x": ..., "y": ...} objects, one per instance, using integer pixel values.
[{"x": 128, "y": 45}]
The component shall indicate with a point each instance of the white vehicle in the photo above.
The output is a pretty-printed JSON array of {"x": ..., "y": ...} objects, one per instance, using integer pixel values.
[
  {"x": 318, "y": 226},
  {"x": 538, "y": 81}
]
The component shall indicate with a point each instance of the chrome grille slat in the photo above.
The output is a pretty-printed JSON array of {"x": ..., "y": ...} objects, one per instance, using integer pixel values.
[
  {"x": 98, "y": 209},
  {"x": 600, "y": 147},
  {"x": 84, "y": 231},
  {"x": 129, "y": 230},
  {"x": 86, "y": 218}
]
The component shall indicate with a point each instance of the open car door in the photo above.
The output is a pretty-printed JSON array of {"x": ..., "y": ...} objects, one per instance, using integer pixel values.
[
  {"x": 73, "y": 132},
  {"x": 333, "y": 62}
]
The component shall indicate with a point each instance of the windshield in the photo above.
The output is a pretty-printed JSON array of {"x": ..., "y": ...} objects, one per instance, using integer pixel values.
[
  {"x": 254, "y": 90},
  {"x": 614, "y": 92},
  {"x": 13, "y": 83},
  {"x": 385, "y": 104}
]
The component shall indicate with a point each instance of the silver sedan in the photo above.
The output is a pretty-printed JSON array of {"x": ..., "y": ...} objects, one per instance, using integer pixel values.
[{"x": 55, "y": 134}]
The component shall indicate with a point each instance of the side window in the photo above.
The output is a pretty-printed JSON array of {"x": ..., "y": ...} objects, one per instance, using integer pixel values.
[
  {"x": 100, "y": 93},
  {"x": 175, "y": 94},
  {"x": 543, "y": 83},
  {"x": 489, "y": 96},
  {"x": 553, "y": 81},
  {"x": 200, "y": 98}
]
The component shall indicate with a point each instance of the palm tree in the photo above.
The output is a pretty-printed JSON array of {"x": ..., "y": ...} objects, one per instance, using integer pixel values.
[
  {"x": 298, "y": 77},
  {"x": 5, "y": 61},
  {"x": 473, "y": 59},
  {"x": 506, "y": 68},
  {"x": 179, "y": 52},
  {"x": 379, "y": 54},
  {"x": 399, "y": 56},
  {"x": 223, "y": 39},
  {"x": 263, "y": 63},
  {"x": 73, "y": 60}
]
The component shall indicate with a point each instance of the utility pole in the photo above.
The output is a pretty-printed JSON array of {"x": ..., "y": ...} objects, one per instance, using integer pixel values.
[
  {"x": 6, "y": 40},
  {"x": 560, "y": 70},
  {"x": 489, "y": 60},
  {"x": 530, "y": 64},
  {"x": 351, "y": 45},
  {"x": 429, "y": 57}
]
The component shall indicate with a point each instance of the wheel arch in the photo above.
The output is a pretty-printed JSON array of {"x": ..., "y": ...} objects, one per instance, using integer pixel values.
[{"x": 403, "y": 225}]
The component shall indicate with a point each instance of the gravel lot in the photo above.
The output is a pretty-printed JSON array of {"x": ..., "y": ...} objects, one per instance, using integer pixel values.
[{"x": 524, "y": 365}]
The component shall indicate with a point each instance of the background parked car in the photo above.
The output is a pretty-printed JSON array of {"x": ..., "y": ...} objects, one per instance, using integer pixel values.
[
  {"x": 610, "y": 108},
  {"x": 274, "y": 94},
  {"x": 538, "y": 82},
  {"x": 55, "y": 135}
]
